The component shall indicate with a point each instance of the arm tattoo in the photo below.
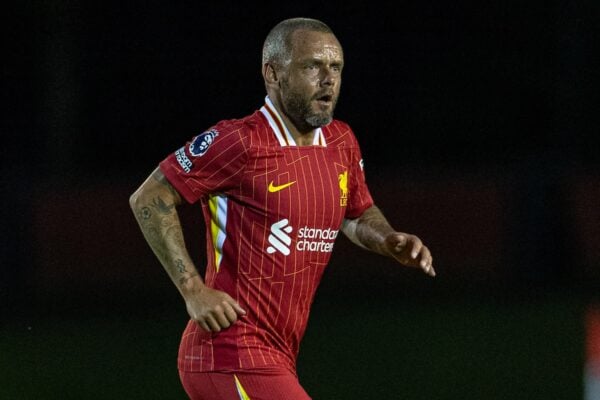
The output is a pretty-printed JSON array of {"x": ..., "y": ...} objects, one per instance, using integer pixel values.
[
  {"x": 175, "y": 233},
  {"x": 145, "y": 213},
  {"x": 159, "y": 204},
  {"x": 163, "y": 233},
  {"x": 372, "y": 229},
  {"x": 179, "y": 265},
  {"x": 187, "y": 278},
  {"x": 158, "y": 219}
]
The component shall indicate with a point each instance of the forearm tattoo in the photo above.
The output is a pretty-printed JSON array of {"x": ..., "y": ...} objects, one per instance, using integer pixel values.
[
  {"x": 159, "y": 222},
  {"x": 179, "y": 265},
  {"x": 372, "y": 229},
  {"x": 183, "y": 281}
]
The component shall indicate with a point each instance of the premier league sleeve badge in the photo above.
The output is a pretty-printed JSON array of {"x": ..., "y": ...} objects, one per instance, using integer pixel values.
[{"x": 202, "y": 142}]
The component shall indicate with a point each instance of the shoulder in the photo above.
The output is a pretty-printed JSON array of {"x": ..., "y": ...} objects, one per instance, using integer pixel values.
[
  {"x": 247, "y": 126},
  {"x": 235, "y": 125},
  {"x": 228, "y": 132}
]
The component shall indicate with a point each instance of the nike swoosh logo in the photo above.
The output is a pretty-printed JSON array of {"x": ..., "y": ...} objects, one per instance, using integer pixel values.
[{"x": 273, "y": 188}]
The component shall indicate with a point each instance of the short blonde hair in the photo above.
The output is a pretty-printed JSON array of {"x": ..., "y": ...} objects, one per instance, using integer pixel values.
[{"x": 277, "y": 46}]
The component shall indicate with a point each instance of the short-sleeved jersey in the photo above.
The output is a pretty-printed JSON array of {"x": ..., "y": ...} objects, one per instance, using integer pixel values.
[{"x": 273, "y": 211}]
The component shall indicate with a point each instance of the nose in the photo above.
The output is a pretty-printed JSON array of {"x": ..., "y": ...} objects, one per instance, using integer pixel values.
[{"x": 329, "y": 78}]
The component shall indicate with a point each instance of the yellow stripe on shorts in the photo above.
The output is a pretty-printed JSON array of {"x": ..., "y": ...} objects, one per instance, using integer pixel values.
[{"x": 240, "y": 389}]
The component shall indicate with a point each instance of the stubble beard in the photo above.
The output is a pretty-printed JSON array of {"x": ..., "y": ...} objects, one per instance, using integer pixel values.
[{"x": 299, "y": 110}]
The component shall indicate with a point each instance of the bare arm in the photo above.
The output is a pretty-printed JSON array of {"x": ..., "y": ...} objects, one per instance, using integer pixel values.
[
  {"x": 373, "y": 232},
  {"x": 154, "y": 204}
]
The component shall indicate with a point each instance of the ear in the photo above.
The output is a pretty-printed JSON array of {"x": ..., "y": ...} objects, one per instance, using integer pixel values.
[{"x": 270, "y": 75}]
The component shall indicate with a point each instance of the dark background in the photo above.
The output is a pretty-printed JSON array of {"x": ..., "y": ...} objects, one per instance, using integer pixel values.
[{"x": 478, "y": 129}]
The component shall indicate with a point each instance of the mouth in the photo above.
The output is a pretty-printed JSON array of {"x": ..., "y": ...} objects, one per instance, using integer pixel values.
[{"x": 325, "y": 99}]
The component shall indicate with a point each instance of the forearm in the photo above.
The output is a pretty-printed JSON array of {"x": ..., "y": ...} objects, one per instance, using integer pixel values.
[
  {"x": 154, "y": 205},
  {"x": 372, "y": 231},
  {"x": 369, "y": 230}
]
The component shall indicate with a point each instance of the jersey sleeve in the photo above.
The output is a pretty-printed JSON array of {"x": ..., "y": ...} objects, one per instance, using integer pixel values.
[
  {"x": 211, "y": 162},
  {"x": 359, "y": 197}
]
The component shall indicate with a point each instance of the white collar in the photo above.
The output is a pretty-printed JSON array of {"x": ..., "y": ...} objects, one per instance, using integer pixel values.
[{"x": 280, "y": 129}]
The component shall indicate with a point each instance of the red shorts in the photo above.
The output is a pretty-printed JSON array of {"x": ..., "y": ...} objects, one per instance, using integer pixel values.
[{"x": 243, "y": 385}]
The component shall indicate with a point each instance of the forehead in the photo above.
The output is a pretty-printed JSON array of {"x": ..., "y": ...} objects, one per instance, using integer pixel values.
[{"x": 311, "y": 44}]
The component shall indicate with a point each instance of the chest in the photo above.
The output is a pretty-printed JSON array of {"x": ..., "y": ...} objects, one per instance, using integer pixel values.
[{"x": 306, "y": 185}]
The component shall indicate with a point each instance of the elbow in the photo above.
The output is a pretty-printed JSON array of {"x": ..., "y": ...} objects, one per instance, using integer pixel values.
[{"x": 134, "y": 200}]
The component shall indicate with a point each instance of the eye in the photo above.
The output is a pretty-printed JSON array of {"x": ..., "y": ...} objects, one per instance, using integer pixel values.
[{"x": 311, "y": 69}]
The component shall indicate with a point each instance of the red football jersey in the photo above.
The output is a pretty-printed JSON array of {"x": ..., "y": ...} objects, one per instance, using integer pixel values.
[{"x": 272, "y": 210}]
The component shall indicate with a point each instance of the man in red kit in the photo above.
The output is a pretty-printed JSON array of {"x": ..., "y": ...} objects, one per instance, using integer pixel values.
[{"x": 276, "y": 187}]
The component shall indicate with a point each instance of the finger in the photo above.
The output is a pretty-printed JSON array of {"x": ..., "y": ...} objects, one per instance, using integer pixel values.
[
  {"x": 417, "y": 245},
  {"x": 239, "y": 310},
  {"x": 426, "y": 259},
  {"x": 426, "y": 262},
  {"x": 229, "y": 312},
  {"x": 221, "y": 318},
  {"x": 236, "y": 307},
  {"x": 203, "y": 325},
  {"x": 212, "y": 323},
  {"x": 428, "y": 269}
]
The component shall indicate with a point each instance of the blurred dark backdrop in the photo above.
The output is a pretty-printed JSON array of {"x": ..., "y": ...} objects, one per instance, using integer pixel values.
[{"x": 477, "y": 123}]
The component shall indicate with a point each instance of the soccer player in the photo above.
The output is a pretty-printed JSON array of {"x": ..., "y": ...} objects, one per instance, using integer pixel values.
[{"x": 276, "y": 187}]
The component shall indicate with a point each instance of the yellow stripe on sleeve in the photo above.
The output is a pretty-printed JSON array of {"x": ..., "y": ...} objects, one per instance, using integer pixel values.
[{"x": 216, "y": 227}]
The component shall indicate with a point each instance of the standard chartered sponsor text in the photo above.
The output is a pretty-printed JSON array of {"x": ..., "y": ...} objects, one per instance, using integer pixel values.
[{"x": 316, "y": 239}]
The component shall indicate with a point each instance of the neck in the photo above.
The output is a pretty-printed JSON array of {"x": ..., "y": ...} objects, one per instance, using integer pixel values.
[{"x": 303, "y": 136}]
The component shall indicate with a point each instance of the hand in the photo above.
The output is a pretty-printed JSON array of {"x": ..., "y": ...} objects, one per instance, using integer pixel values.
[
  {"x": 410, "y": 251},
  {"x": 212, "y": 309}
]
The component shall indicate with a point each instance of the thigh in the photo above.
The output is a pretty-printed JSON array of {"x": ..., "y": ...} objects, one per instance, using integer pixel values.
[
  {"x": 208, "y": 385},
  {"x": 280, "y": 386},
  {"x": 244, "y": 385}
]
